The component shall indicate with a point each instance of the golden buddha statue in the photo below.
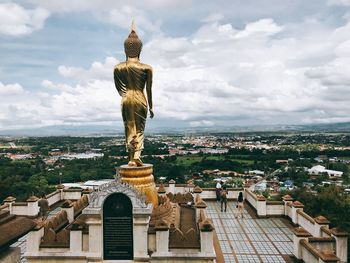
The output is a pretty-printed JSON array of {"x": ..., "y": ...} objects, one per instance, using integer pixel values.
[{"x": 131, "y": 78}]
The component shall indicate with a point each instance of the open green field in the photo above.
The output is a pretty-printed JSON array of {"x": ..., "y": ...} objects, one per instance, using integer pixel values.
[
  {"x": 4, "y": 146},
  {"x": 248, "y": 162},
  {"x": 344, "y": 158},
  {"x": 22, "y": 147},
  {"x": 188, "y": 160}
]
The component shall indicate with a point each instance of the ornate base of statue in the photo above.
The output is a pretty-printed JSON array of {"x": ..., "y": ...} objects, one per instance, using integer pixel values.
[{"x": 141, "y": 177}]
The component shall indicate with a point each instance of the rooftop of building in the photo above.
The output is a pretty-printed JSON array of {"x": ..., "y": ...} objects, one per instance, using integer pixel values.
[{"x": 253, "y": 238}]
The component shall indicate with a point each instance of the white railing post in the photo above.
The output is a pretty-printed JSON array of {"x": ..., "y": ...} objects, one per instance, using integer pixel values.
[
  {"x": 171, "y": 186},
  {"x": 341, "y": 244},
  {"x": 299, "y": 234}
]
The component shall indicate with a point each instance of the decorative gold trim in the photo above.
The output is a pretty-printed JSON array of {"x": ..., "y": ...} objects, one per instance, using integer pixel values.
[{"x": 141, "y": 178}]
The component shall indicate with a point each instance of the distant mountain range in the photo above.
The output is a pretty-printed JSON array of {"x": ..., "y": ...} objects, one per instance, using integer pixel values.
[{"x": 109, "y": 130}]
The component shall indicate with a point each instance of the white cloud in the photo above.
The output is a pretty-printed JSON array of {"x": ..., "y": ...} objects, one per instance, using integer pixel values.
[
  {"x": 263, "y": 26},
  {"x": 94, "y": 102},
  {"x": 339, "y": 2},
  {"x": 122, "y": 17},
  {"x": 118, "y": 12},
  {"x": 219, "y": 74},
  {"x": 97, "y": 70},
  {"x": 61, "y": 87},
  {"x": 11, "y": 89},
  {"x": 213, "y": 33},
  {"x": 98, "y": 5},
  {"x": 213, "y": 17},
  {"x": 17, "y": 21}
]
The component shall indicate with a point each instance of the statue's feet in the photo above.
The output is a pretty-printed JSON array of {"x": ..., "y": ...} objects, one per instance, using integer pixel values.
[
  {"x": 132, "y": 163},
  {"x": 135, "y": 162},
  {"x": 138, "y": 162}
]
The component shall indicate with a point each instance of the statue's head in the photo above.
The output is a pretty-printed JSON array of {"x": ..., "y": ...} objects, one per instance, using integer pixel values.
[{"x": 132, "y": 45}]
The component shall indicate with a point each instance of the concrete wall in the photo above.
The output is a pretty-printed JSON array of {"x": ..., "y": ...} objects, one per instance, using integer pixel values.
[
  {"x": 20, "y": 209},
  {"x": 61, "y": 259},
  {"x": 274, "y": 209},
  {"x": 54, "y": 197},
  {"x": 288, "y": 211},
  {"x": 305, "y": 221},
  {"x": 71, "y": 194},
  {"x": 307, "y": 256},
  {"x": 32, "y": 208},
  {"x": 251, "y": 198}
]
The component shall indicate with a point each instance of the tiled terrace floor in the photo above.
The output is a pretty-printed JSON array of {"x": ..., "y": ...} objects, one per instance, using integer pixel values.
[{"x": 250, "y": 239}]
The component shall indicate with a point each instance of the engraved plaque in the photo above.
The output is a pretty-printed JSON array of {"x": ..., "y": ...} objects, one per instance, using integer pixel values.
[{"x": 117, "y": 228}]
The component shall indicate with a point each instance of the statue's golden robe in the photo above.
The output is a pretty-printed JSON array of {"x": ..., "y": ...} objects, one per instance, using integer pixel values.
[{"x": 130, "y": 80}]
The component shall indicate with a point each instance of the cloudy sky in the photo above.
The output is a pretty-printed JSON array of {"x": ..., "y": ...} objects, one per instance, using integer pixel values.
[{"x": 216, "y": 63}]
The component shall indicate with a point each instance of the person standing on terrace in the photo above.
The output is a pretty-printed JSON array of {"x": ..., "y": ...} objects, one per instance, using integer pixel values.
[
  {"x": 44, "y": 208},
  {"x": 223, "y": 198},
  {"x": 218, "y": 190},
  {"x": 240, "y": 205}
]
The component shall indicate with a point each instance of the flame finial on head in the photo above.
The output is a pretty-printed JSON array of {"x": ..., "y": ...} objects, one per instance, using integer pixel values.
[
  {"x": 132, "y": 45},
  {"x": 133, "y": 26}
]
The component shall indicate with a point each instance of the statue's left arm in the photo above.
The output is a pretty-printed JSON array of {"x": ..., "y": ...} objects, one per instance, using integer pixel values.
[
  {"x": 119, "y": 83},
  {"x": 149, "y": 91}
]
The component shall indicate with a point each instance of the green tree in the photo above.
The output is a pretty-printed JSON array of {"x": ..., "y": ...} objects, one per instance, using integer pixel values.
[
  {"x": 175, "y": 172},
  {"x": 38, "y": 184}
]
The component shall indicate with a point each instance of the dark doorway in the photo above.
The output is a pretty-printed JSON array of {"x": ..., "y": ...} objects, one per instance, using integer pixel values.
[{"x": 117, "y": 228}]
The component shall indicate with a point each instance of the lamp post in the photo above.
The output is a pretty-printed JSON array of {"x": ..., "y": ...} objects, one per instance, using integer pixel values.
[{"x": 60, "y": 170}]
